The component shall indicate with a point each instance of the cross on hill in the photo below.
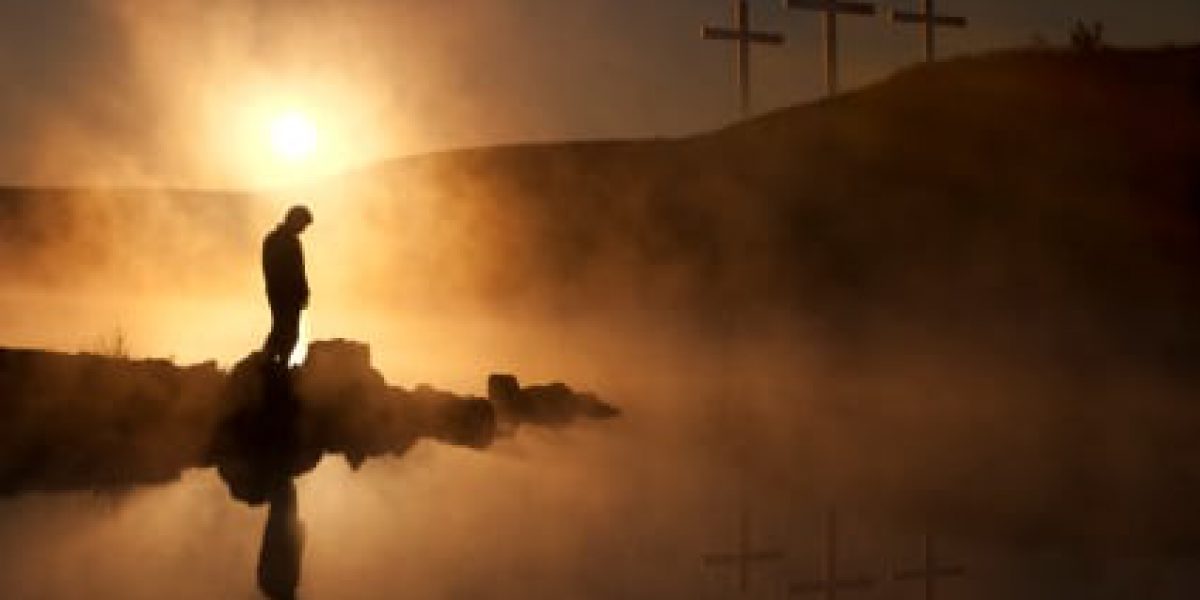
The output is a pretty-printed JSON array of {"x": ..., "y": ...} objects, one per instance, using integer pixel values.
[
  {"x": 745, "y": 555},
  {"x": 831, "y": 10},
  {"x": 744, "y": 36},
  {"x": 930, "y": 19},
  {"x": 831, "y": 581}
]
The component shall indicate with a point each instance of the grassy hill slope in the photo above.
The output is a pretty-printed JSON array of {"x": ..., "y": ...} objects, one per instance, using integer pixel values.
[{"x": 1046, "y": 191}]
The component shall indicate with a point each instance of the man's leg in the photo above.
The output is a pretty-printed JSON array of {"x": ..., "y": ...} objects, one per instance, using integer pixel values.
[
  {"x": 285, "y": 332},
  {"x": 271, "y": 346},
  {"x": 288, "y": 322}
]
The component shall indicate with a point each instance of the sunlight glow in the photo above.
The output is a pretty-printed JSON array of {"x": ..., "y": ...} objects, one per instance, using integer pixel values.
[
  {"x": 293, "y": 136},
  {"x": 267, "y": 131},
  {"x": 300, "y": 352}
]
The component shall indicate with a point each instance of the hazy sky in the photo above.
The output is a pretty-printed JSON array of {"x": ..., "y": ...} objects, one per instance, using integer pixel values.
[{"x": 142, "y": 91}]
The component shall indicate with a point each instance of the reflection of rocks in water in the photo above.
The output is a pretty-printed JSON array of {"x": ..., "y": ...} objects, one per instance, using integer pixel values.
[
  {"x": 282, "y": 422},
  {"x": 88, "y": 422},
  {"x": 258, "y": 451},
  {"x": 339, "y": 404},
  {"x": 258, "y": 448}
]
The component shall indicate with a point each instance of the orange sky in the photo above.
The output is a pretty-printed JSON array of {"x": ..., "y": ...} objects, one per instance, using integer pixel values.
[{"x": 180, "y": 93}]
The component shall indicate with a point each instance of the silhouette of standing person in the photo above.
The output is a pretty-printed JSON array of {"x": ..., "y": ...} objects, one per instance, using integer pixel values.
[{"x": 287, "y": 285}]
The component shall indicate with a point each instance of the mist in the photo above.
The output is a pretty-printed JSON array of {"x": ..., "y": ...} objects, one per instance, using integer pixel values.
[
  {"x": 994, "y": 351},
  {"x": 105, "y": 93}
]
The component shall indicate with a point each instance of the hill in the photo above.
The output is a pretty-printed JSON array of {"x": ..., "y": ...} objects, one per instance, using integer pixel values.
[
  {"x": 993, "y": 265},
  {"x": 1046, "y": 191},
  {"x": 997, "y": 260}
]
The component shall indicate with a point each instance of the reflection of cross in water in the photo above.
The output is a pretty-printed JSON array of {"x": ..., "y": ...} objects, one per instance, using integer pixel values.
[
  {"x": 831, "y": 583},
  {"x": 930, "y": 571},
  {"x": 931, "y": 21},
  {"x": 744, "y": 36},
  {"x": 745, "y": 556}
]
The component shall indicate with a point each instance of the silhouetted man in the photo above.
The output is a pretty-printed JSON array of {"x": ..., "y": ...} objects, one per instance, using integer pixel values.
[{"x": 287, "y": 286}]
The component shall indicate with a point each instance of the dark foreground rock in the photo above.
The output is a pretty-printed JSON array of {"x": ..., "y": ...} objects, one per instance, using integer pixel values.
[{"x": 89, "y": 422}]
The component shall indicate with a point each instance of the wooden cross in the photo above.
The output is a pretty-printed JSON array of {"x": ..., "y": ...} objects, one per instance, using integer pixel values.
[
  {"x": 930, "y": 571},
  {"x": 930, "y": 19},
  {"x": 832, "y": 582},
  {"x": 832, "y": 8},
  {"x": 745, "y": 555},
  {"x": 744, "y": 36}
]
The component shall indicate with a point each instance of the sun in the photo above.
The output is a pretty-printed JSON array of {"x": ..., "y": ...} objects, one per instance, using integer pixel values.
[{"x": 293, "y": 136}]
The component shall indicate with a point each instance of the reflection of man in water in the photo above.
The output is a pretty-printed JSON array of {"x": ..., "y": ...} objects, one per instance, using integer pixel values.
[{"x": 287, "y": 286}]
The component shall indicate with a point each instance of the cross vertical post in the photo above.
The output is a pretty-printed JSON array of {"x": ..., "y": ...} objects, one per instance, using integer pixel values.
[
  {"x": 741, "y": 16},
  {"x": 745, "y": 555},
  {"x": 930, "y": 30},
  {"x": 831, "y": 582},
  {"x": 829, "y": 31},
  {"x": 831, "y": 9},
  {"x": 831, "y": 552},
  {"x": 930, "y": 571},
  {"x": 930, "y": 21},
  {"x": 744, "y": 36}
]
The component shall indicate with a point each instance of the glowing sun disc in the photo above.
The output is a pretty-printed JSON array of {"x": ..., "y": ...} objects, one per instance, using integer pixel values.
[{"x": 293, "y": 136}]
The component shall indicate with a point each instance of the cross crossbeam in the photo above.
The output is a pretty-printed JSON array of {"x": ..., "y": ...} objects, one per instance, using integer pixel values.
[
  {"x": 930, "y": 570},
  {"x": 745, "y": 557},
  {"x": 842, "y": 7},
  {"x": 931, "y": 20},
  {"x": 940, "y": 20},
  {"x": 745, "y": 37},
  {"x": 831, "y": 10},
  {"x": 831, "y": 581},
  {"x": 755, "y": 37}
]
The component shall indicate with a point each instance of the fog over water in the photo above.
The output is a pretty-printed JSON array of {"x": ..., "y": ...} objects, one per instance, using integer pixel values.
[{"x": 1000, "y": 353}]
